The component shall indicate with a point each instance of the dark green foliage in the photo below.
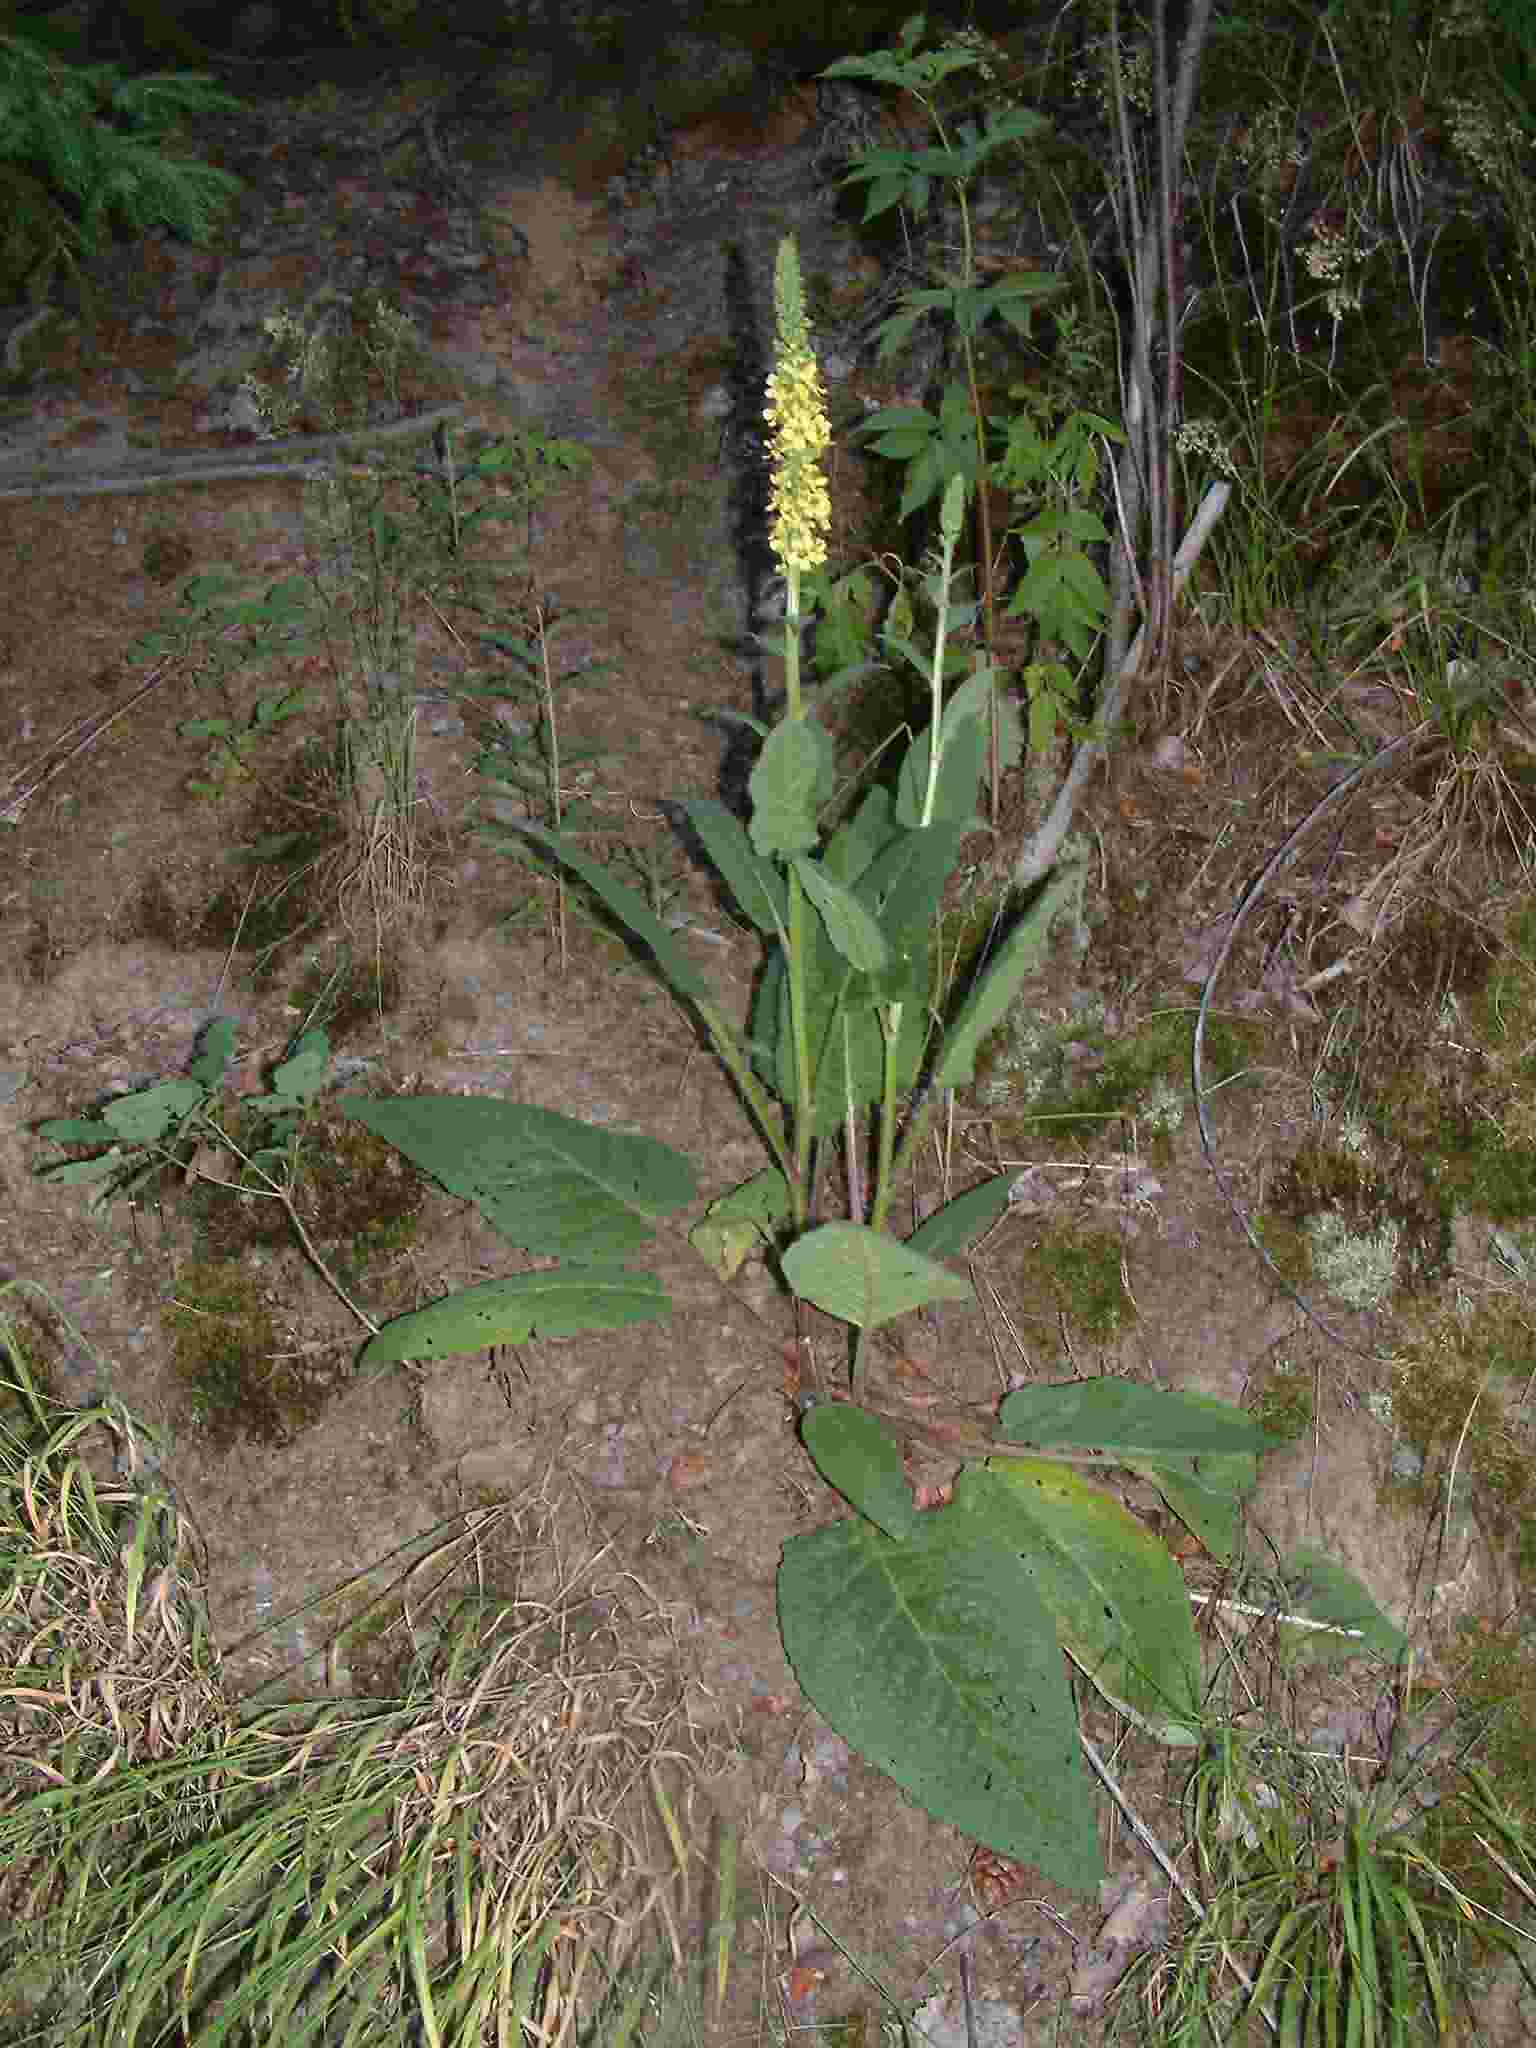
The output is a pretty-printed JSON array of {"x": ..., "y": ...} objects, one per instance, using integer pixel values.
[{"x": 83, "y": 150}]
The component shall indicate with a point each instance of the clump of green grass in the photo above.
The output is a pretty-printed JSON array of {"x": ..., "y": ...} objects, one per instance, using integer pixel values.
[
  {"x": 458, "y": 1862},
  {"x": 1328, "y": 1912}
]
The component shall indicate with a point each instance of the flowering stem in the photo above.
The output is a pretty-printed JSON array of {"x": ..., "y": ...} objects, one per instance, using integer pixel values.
[
  {"x": 800, "y": 513},
  {"x": 800, "y": 1193}
]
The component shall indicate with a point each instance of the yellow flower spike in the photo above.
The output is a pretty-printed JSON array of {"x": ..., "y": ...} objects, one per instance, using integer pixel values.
[{"x": 799, "y": 504}]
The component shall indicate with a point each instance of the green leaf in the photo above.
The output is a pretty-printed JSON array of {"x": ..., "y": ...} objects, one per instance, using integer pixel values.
[
  {"x": 735, "y": 1225},
  {"x": 904, "y": 890},
  {"x": 561, "y": 1303},
  {"x": 1117, "y": 1597},
  {"x": 556, "y": 1187},
  {"x": 794, "y": 777},
  {"x": 755, "y": 885},
  {"x": 1324, "y": 1590},
  {"x": 74, "y": 1130},
  {"x": 856, "y": 844},
  {"x": 145, "y": 1118},
  {"x": 301, "y": 1076},
  {"x": 903, "y": 430},
  {"x": 1120, "y": 1415},
  {"x": 217, "y": 1050},
  {"x": 1019, "y": 955},
  {"x": 936, "y": 1661},
  {"x": 1206, "y": 1495},
  {"x": 854, "y": 1454},
  {"x": 75, "y": 1172},
  {"x": 962, "y": 759},
  {"x": 853, "y": 933},
  {"x": 864, "y": 1277},
  {"x": 954, "y": 1228},
  {"x": 632, "y": 912},
  {"x": 763, "y": 1199}
]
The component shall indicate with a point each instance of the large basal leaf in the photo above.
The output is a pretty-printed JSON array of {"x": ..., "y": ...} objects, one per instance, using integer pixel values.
[
  {"x": 936, "y": 1661},
  {"x": 216, "y": 1048},
  {"x": 864, "y": 1277},
  {"x": 302, "y": 1075},
  {"x": 854, "y": 1454},
  {"x": 1206, "y": 1489},
  {"x": 561, "y": 1303},
  {"x": 78, "y": 1172},
  {"x": 1019, "y": 955},
  {"x": 556, "y": 1187},
  {"x": 1118, "y": 1599},
  {"x": 1120, "y": 1415}
]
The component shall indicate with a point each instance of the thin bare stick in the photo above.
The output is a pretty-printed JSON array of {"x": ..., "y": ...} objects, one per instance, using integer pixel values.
[
  {"x": 11, "y": 813},
  {"x": 1160, "y": 1856},
  {"x": 1040, "y": 854}
]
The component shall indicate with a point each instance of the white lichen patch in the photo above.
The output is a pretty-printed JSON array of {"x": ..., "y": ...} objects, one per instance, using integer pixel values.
[
  {"x": 1162, "y": 1107},
  {"x": 1357, "y": 1268}
]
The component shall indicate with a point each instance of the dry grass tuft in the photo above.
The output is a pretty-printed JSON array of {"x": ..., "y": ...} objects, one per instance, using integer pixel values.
[{"x": 488, "y": 1847}]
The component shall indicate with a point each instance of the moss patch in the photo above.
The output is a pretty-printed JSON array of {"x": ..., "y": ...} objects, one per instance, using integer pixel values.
[
  {"x": 240, "y": 1380},
  {"x": 1080, "y": 1273}
]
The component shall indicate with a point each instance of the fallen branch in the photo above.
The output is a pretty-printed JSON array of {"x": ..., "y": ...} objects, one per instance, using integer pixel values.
[{"x": 302, "y": 455}]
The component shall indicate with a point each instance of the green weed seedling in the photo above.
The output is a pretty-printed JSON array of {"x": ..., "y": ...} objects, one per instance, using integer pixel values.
[
  {"x": 180, "y": 1126},
  {"x": 234, "y": 742},
  {"x": 387, "y": 535},
  {"x": 155, "y": 1130}
]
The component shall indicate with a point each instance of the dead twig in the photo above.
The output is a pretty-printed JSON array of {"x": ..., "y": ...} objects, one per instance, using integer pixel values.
[{"x": 13, "y": 807}]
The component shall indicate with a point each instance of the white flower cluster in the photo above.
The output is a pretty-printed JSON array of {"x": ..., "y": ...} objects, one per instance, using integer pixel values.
[
  {"x": 1135, "y": 72},
  {"x": 1479, "y": 136},
  {"x": 1327, "y": 252},
  {"x": 1269, "y": 146},
  {"x": 982, "y": 48},
  {"x": 308, "y": 368},
  {"x": 1327, "y": 258},
  {"x": 1462, "y": 21},
  {"x": 1201, "y": 441}
]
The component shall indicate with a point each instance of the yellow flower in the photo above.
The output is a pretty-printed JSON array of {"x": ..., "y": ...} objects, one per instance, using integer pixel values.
[{"x": 799, "y": 505}]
